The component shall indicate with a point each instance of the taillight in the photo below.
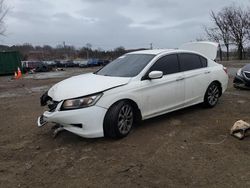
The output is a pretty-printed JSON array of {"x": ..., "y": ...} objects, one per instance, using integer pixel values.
[{"x": 225, "y": 69}]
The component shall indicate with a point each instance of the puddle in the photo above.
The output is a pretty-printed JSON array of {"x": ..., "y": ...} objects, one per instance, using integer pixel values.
[
  {"x": 7, "y": 94},
  {"x": 47, "y": 75},
  {"x": 241, "y": 101},
  {"x": 39, "y": 89},
  {"x": 237, "y": 94},
  {"x": 24, "y": 91}
]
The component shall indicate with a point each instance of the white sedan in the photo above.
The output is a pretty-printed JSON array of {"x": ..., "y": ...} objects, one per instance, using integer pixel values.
[{"x": 134, "y": 87}]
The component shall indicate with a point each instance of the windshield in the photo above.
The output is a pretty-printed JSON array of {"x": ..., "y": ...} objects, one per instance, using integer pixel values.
[{"x": 128, "y": 65}]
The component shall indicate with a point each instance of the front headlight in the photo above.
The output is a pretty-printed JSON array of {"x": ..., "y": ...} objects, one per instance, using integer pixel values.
[
  {"x": 239, "y": 72},
  {"x": 80, "y": 102}
]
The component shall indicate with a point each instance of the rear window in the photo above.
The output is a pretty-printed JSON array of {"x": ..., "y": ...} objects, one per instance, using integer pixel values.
[
  {"x": 203, "y": 61},
  {"x": 189, "y": 61}
]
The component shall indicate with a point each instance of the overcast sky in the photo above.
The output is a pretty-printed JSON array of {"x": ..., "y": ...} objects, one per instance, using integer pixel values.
[{"x": 108, "y": 24}]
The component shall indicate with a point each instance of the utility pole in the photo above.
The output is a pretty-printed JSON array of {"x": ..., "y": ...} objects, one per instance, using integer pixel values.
[
  {"x": 87, "y": 54},
  {"x": 88, "y": 49},
  {"x": 64, "y": 47},
  {"x": 151, "y": 46}
]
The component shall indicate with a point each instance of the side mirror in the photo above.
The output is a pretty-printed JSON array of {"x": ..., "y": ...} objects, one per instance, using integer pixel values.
[{"x": 155, "y": 75}]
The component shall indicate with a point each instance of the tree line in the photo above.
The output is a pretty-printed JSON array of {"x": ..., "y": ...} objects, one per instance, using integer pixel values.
[{"x": 67, "y": 52}]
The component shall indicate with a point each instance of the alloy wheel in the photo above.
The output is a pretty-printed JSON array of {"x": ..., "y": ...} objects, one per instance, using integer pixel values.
[
  {"x": 125, "y": 119},
  {"x": 213, "y": 94}
]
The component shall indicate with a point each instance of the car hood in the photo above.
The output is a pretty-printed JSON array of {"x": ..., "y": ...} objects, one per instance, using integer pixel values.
[
  {"x": 246, "y": 67},
  {"x": 85, "y": 84}
]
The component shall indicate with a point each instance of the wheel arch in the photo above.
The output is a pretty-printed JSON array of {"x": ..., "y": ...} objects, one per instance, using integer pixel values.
[
  {"x": 219, "y": 84},
  {"x": 206, "y": 101},
  {"x": 138, "y": 115}
]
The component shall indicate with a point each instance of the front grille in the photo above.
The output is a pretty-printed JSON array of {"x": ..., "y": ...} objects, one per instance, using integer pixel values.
[
  {"x": 44, "y": 98},
  {"x": 247, "y": 74},
  {"x": 238, "y": 81},
  {"x": 52, "y": 105}
]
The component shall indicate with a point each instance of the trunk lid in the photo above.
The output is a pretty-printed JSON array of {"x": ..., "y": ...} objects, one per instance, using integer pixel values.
[{"x": 208, "y": 49}]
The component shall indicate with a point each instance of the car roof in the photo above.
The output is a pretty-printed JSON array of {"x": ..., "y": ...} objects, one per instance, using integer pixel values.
[
  {"x": 160, "y": 51},
  {"x": 153, "y": 52}
]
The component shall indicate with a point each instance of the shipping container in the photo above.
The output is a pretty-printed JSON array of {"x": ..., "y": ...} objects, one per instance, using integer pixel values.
[{"x": 9, "y": 62}]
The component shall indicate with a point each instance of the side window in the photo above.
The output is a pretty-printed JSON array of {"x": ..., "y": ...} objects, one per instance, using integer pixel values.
[
  {"x": 167, "y": 64},
  {"x": 189, "y": 61},
  {"x": 203, "y": 61}
]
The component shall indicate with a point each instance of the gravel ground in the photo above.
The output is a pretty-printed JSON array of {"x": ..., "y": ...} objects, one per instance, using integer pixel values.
[{"x": 188, "y": 148}]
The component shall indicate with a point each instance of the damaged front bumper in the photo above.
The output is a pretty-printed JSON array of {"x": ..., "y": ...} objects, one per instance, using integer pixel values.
[
  {"x": 85, "y": 122},
  {"x": 41, "y": 122}
]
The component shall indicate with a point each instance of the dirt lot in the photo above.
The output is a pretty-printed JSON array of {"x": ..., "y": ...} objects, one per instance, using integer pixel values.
[{"x": 187, "y": 148}]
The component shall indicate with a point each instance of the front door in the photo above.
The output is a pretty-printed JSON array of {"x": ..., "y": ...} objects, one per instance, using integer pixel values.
[{"x": 164, "y": 94}]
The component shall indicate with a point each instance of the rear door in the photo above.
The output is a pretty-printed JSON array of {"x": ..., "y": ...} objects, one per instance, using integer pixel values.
[{"x": 196, "y": 75}]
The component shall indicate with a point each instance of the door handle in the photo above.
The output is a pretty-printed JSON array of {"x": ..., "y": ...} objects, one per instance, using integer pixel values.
[
  {"x": 179, "y": 79},
  {"x": 207, "y": 72}
]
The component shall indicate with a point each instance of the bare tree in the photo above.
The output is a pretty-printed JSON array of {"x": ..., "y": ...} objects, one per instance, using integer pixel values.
[
  {"x": 221, "y": 30},
  {"x": 238, "y": 23},
  {"x": 214, "y": 35},
  {"x": 119, "y": 51},
  {"x": 89, "y": 46},
  {"x": 3, "y": 13},
  {"x": 231, "y": 26},
  {"x": 88, "y": 49}
]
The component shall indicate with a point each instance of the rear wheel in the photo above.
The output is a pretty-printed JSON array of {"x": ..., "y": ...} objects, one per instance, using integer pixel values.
[
  {"x": 212, "y": 95},
  {"x": 119, "y": 120}
]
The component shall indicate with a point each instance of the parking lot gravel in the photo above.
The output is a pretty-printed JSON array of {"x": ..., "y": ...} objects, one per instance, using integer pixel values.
[{"x": 187, "y": 148}]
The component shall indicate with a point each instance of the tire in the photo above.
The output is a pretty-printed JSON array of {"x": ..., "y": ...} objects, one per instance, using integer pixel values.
[
  {"x": 118, "y": 120},
  {"x": 212, "y": 95}
]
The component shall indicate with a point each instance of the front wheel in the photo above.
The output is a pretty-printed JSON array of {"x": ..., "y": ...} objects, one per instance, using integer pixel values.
[
  {"x": 212, "y": 95},
  {"x": 119, "y": 120}
]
